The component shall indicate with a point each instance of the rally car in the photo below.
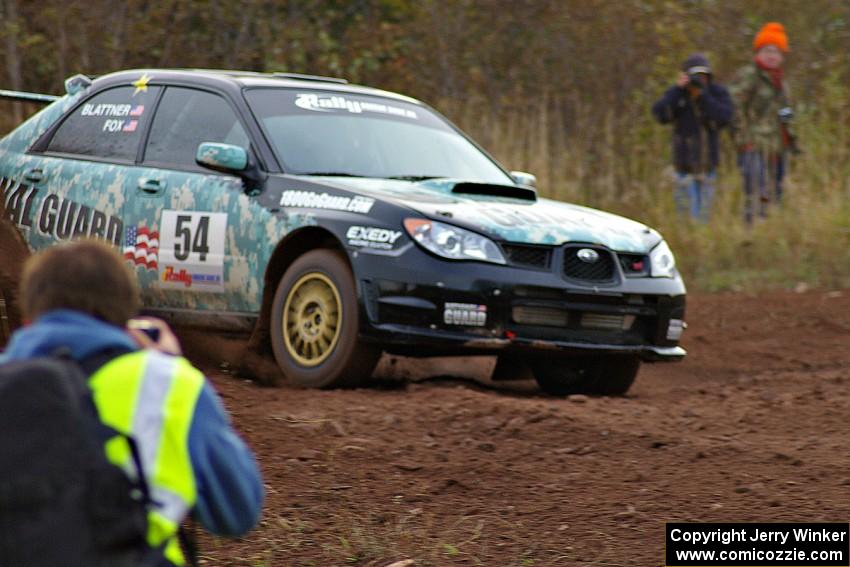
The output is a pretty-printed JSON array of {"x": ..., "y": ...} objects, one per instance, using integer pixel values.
[{"x": 345, "y": 221}]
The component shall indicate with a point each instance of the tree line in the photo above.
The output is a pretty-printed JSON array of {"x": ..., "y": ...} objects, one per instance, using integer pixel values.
[{"x": 592, "y": 66}]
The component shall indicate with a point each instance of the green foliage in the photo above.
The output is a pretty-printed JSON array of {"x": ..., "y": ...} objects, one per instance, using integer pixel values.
[{"x": 561, "y": 88}]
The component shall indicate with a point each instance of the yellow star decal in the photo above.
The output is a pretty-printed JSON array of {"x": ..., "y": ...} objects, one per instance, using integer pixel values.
[{"x": 141, "y": 84}]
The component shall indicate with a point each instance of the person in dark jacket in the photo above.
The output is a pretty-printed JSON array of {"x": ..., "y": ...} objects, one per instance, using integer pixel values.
[{"x": 698, "y": 108}]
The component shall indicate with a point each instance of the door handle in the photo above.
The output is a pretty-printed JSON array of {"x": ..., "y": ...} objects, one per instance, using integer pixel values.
[
  {"x": 35, "y": 175},
  {"x": 151, "y": 186}
]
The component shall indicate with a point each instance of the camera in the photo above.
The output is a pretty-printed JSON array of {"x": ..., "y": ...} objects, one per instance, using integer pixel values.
[
  {"x": 786, "y": 114},
  {"x": 695, "y": 80},
  {"x": 148, "y": 328}
]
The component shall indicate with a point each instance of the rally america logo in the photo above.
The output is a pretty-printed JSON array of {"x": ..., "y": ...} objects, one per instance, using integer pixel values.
[{"x": 325, "y": 103}]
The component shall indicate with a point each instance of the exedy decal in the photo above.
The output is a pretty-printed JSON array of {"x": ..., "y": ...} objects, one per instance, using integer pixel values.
[
  {"x": 311, "y": 200},
  {"x": 371, "y": 237},
  {"x": 60, "y": 218}
]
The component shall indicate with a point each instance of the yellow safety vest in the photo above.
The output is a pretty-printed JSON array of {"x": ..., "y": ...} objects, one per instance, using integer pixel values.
[{"x": 151, "y": 397}]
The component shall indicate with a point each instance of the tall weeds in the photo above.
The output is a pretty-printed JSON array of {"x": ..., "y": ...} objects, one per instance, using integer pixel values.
[{"x": 624, "y": 166}]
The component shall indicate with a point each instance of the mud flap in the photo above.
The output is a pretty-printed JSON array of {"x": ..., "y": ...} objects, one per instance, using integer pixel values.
[
  {"x": 511, "y": 368},
  {"x": 5, "y": 327}
]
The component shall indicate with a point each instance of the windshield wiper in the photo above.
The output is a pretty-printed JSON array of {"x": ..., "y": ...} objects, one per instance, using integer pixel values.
[
  {"x": 415, "y": 177},
  {"x": 330, "y": 174}
]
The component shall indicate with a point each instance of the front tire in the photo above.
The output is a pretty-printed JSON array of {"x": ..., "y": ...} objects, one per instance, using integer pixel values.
[
  {"x": 599, "y": 376},
  {"x": 315, "y": 324}
]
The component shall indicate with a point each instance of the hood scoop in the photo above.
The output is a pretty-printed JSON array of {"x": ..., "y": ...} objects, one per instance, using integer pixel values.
[{"x": 495, "y": 190}]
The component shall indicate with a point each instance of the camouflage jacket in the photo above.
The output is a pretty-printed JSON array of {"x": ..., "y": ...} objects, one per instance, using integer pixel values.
[{"x": 757, "y": 104}]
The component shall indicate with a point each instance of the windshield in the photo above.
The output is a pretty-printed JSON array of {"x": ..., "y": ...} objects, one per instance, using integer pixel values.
[{"x": 326, "y": 133}]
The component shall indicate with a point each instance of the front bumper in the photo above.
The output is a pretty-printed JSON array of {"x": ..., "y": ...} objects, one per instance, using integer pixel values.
[{"x": 415, "y": 304}]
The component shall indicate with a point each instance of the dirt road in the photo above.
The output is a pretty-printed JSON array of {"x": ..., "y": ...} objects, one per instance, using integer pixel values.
[{"x": 751, "y": 427}]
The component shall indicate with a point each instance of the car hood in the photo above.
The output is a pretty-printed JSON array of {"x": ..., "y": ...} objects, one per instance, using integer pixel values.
[{"x": 540, "y": 221}]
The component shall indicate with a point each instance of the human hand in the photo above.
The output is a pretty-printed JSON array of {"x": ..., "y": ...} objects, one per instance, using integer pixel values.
[
  {"x": 152, "y": 333},
  {"x": 683, "y": 80}
]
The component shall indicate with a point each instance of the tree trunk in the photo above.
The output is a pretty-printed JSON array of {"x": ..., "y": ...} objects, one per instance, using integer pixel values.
[{"x": 13, "y": 60}]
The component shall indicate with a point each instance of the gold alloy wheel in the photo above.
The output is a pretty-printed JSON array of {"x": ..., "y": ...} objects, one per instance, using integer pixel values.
[{"x": 312, "y": 319}]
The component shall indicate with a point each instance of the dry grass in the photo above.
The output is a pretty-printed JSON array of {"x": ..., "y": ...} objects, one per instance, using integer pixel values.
[
  {"x": 375, "y": 538},
  {"x": 622, "y": 165}
]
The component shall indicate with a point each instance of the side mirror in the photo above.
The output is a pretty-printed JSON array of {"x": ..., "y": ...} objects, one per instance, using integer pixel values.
[
  {"x": 77, "y": 83},
  {"x": 524, "y": 179},
  {"x": 222, "y": 157}
]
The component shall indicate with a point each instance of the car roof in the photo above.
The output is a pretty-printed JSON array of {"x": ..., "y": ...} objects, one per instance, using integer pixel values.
[{"x": 229, "y": 79}]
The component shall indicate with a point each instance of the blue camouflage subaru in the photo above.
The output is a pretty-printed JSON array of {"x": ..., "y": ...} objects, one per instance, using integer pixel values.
[{"x": 339, "y": 222}]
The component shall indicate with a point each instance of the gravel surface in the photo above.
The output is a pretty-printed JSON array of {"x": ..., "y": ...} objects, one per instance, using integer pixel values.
[{"x": 462, "y": 471}]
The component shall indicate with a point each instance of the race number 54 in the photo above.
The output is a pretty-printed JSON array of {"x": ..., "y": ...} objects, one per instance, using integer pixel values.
[
  {"x": 191, "y": 255},
  {"x": 185, "y": 244}
]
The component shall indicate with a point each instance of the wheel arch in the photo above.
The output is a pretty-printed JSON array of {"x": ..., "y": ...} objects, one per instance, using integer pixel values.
[{"x": 290, "y": 248}]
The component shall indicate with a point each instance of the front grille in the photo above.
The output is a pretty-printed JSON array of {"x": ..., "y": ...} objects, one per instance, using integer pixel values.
[
  {"x": 600, "y": 271},
  {"x": 535, "y": 315},
  {"x": 607, "y": 322},
  {"x": 528, "y": 256}
]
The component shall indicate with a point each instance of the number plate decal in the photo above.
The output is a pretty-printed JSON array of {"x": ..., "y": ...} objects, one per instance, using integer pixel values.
[{"x": 191, "y": 253}]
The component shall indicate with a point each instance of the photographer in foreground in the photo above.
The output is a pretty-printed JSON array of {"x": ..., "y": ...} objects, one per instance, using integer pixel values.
[
  {"x": 172, "y": 434},
  {"x": 762, "y": 126},
  {"x": 697, "y": 108}
]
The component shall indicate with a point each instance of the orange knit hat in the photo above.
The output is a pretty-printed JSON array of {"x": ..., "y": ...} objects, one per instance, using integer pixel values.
[{"x": 772, "y": 33}]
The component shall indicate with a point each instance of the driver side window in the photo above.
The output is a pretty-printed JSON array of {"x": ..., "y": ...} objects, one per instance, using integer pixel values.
[{"x": 186, "y": 118}]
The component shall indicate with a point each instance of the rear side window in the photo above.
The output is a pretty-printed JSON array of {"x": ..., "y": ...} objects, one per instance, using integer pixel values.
[
  {"x": 186, "y": 118},
  {"x": 108, "y": 125}
]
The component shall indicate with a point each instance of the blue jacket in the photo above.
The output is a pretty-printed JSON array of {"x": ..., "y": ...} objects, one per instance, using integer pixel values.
[
  {"x": 230, "y": 491},
  {"x": 696, "y": 125}
]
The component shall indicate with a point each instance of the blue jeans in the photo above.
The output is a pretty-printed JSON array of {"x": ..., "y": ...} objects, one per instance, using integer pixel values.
[
  {"x": 760, "y": 175},
  {"x": 694, "y": 193}
]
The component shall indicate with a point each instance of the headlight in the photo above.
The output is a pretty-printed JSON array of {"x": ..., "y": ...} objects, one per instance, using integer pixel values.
[
  {"x": 452, "y": 242},
  {"x": 662, "y": 262}
]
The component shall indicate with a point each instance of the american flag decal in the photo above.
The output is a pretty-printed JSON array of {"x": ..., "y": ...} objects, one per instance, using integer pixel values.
[{"x": 141, "y": 246}]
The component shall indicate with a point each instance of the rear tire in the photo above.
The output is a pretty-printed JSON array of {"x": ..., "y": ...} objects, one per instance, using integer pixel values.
[
  {"x": 13, "y": 251},
  {"x": 7, "y": 324},
  {"x": 315, "y": 321},
  {"x": 600, "y": 376}
]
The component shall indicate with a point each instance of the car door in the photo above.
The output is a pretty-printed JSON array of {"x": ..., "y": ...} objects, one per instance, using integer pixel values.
[
  {"x": 192, "y": 215},
  {"x": 73, "y": 188}
]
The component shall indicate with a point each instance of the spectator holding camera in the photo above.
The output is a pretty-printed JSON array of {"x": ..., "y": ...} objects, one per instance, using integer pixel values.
[
  {"x": 762, "y": 126},
  {"x": 698, "y": 108},
  {"x": 170, "y": 427}
]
